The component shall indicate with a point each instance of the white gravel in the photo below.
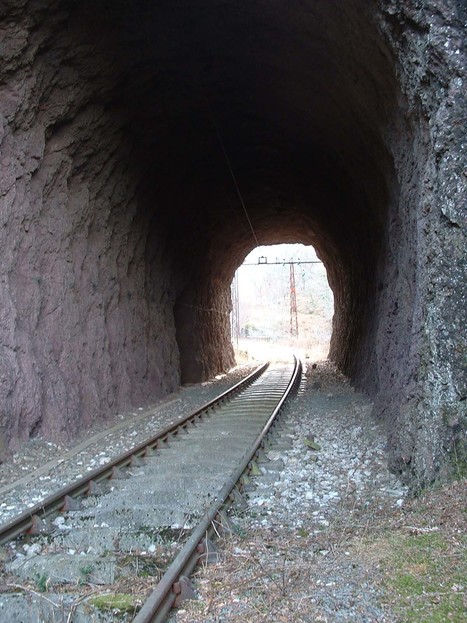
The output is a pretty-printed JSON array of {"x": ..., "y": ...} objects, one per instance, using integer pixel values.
[{"x": 350, "y": 460}]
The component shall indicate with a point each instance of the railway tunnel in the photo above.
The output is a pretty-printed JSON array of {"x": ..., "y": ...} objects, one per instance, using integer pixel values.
[{"x": 147, "y": 147}]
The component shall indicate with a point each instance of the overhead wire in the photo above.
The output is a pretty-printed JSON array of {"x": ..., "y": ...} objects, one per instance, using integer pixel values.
[
  {"x": 229, "y": 166},
  {"x": 198, "y": 82}
]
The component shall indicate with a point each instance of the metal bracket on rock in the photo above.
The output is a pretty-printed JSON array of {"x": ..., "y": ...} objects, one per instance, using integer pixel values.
[
  {"x": 261, "y": 456},
  {"x": 237, "y": 499},
  {"x": 136, "y": 461},
  {"x": 254, "y": 469},
  {"x": 223, "y": 525},
  {"x": 71, "y": 504},
  {"x": 96, "y": 488},
  {"x": 183, "y": 589},
  {"x": 207, "y": 551},
  {"x": 37, "y": 526},
  {"x": 117, "y": 474}
]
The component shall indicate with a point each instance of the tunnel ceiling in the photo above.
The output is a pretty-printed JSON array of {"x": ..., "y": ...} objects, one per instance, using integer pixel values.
[
  {"x": 208, "y": 128},
  {"x": 286, "y": 104},
  {"x": 297, "y": 92}
]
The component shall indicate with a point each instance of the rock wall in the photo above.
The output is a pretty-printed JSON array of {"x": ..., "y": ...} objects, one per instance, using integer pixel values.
[
  {"x": 421, "y": 345},
  {"x": 86, "y": 325}
]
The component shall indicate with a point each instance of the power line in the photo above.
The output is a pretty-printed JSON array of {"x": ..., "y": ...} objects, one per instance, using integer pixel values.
[
  {"x": 281, "y": 263},
  {"x": 224, "y": 151}
]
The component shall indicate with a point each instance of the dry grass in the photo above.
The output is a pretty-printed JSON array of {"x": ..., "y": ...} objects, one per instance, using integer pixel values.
[
  {"x": 262, "y": 577},
  {"x": 413, "y": 561}
]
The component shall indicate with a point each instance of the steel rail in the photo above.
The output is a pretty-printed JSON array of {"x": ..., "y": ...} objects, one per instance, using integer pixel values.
[
  {"x": 30, "y": 520},
  {"x": 163, "y": 597}
]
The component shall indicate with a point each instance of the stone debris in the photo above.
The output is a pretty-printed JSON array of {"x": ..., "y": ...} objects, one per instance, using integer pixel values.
[
  {"x": 346, "y": 455},
  {"x": 298, "y": 487},
  {"x": 312, "y": 445}
]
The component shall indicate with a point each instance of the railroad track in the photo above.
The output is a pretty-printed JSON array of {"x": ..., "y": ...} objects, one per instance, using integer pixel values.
[{"x": 95, "y": 536}]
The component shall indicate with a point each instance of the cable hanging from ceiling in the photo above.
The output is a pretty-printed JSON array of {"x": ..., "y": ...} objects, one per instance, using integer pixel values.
[{"x": 229, "y": 166}]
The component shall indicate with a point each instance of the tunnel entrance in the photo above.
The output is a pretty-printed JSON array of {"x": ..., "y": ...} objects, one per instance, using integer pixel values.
[
  {"x": 281, "y": 305},
  {"x": 122, "y": 228}
]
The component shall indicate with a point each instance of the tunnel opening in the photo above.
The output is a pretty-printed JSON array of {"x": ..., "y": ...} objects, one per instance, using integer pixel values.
[
  {"x": 281, "y": 305},
  {"x": 122, "y": 227}
]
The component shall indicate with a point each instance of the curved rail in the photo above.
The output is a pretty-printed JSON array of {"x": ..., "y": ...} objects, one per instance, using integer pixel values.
[
  {"x": 162, "y": 599},
  {"x": 30, "y": 521}
]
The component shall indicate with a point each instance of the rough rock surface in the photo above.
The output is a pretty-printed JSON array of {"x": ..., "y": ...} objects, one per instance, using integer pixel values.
[
  {"x": 421, "y": 345},
  {"x": 86, "y": 322},
  {"x": 344, "y": 125}
]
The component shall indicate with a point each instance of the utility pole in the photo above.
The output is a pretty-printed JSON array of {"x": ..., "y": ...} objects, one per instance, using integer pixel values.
[
  {"x": 235, "y": 328},
  {"x": 263, "y": 261},
  {"x": 293, "y": 303}
]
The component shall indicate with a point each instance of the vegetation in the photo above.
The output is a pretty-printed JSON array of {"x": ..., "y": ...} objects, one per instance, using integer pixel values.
[
  {"x": 119, "y": 601},
  {"x": 42, "y": 582},
  {"x": 426, "y": 575},
  {"x": 411, "y": 560},
  {"x": 86, "y": 572}
]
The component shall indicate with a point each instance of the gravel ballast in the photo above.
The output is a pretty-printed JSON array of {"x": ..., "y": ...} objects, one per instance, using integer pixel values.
[
  {"x": 41, "y": 467},
  {"x": 326, "y": 479},
  {"x": 288, "y": 558}
]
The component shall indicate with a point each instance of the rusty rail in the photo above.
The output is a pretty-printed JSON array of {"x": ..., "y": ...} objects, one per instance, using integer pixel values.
[
  {"x": 162, "y": 599},
  {"x": 29, "y": 522}
]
